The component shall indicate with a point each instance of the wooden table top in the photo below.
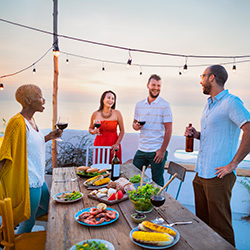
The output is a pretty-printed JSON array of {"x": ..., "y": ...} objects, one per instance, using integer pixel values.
[{"x": 63, "y": 231}]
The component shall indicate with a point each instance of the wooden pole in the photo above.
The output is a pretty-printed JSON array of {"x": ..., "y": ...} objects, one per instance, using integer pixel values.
[{"x": 55, "y": 84}]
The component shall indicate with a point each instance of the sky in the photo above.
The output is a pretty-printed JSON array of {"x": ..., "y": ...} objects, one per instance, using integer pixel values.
[{"x": 215, "y": 27}]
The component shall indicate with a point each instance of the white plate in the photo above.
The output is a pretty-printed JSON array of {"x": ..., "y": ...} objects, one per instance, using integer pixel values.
[
  {"x": 93, "y": 186},
  {"x": 102, "y": 166},
  {"x": 107, "y": 244},
  {"x": 176, "y": 239},
  {"x": 61, "y": 201}
]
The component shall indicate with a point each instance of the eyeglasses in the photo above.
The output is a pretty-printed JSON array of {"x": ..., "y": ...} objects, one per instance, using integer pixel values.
[{"x": 204, "y": 75}]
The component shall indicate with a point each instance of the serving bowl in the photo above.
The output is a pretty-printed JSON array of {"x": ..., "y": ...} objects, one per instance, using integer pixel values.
[
  {"x": 140, "y": 198},
  {"x": 138, "y": 218}
]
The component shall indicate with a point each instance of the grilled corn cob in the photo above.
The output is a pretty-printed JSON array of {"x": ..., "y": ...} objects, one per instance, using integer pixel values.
[
  {"x": 102, "y": 181},
  {"x": 93, "y": 179},
  {"x": 153, "y": 239},
  {"x": 152, "y": 227}
]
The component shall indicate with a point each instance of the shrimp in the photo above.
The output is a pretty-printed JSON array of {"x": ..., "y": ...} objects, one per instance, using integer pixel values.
[{"x": 111, "y": 214}]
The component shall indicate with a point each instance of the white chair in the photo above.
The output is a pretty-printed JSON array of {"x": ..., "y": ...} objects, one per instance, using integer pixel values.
[{"x": 99, "y": 156}]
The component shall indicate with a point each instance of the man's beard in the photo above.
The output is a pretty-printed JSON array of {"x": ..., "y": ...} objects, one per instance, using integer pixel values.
[
  {"x": 152, "y": 94},
  {"x": 207, "y": 88}
]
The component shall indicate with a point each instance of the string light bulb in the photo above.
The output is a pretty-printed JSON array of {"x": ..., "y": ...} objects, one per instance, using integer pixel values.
[
  {"x": 1, "y": 87},
  {"x": 67, "y": 59},
  {"x": 234, "y": 67},
  {"x": 185, "y": 67},
  {"x": 34, "y": 70},
  {"x": 56, "y": 51},
  {"x": 140, "y": 70},
  {"x": 180, "y": 74},
  {"x": 103, "y": 68},
  {"x": 129, "y": 62}
]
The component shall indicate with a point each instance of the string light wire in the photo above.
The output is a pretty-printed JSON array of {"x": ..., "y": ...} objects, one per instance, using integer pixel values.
[
  {"x": 148, "y": 65},
  {"x": 33, "y": 64},
  {"x": 123, "y": 48}
]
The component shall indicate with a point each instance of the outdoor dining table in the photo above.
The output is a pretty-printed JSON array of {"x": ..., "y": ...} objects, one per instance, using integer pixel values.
[{"x": 63, "y": 231}]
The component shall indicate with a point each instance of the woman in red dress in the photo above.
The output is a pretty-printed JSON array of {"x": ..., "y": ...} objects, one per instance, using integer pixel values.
[{"x": 109, "y": 118}]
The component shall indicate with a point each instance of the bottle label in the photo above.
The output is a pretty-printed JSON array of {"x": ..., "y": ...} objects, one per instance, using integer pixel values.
[{"x": 116, "y": 170}]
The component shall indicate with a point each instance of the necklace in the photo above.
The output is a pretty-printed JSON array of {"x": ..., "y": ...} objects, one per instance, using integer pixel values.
[{"x": 106, "y": 116}]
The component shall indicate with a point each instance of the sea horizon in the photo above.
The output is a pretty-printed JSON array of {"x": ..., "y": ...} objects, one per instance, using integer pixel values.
[{"x": 79, "y": 114}]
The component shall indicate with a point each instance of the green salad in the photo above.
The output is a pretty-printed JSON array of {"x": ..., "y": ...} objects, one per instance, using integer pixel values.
[
  {"x": 69, "y": 196},
  {"x": 91, "y": 245},
  {"x": 92, "y": 174},
  {"x": 135, "y": 179},
  {"x": 141, "y": 197}
]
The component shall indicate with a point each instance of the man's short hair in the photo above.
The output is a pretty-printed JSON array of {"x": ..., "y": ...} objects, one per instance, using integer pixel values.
[
  {"x": 156, "y": 77},
  {"x": 220, "y": 74}
]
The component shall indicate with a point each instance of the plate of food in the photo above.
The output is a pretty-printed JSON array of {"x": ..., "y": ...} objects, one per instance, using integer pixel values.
[
  {"x": 152, "y": 236},
  {"x": 68, "y": 196},
  {"x": 89, "y": 172},
  {"x": 97, "y": 216},
  {"x": 93, "y": 244},
  {"x": 97, "y": 182}
]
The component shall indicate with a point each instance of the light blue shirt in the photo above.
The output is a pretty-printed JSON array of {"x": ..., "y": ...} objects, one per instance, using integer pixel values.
[
  {"x": 155, "y": 114},
  {"x": 221, "y": 121}
]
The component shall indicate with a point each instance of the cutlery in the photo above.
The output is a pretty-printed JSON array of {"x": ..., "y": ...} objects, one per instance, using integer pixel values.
[
  {"x": 63, "y": 181},
  {"x": 178, "y": 223}
]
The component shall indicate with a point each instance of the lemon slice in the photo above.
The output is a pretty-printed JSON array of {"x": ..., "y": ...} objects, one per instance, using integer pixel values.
[{"x": 102, "y": 206}]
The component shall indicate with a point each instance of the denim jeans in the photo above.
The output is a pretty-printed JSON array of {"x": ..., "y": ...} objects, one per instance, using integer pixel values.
[{"x": 39, "y": 203}]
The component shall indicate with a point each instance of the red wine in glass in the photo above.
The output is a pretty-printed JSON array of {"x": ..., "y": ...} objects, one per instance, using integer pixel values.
[
  {"x": 62, "y": 125},
  {"x": 141, "y": 122},
  {"x": 157, "y": 200},
  {"x": 97, "y": 125}
]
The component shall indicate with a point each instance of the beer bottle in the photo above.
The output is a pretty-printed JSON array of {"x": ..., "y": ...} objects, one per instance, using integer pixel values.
[
  {"x": 190, "y": 141},
  {"x": 115, "y": 168}
]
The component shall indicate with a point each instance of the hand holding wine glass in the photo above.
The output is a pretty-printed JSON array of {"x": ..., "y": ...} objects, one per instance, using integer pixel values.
[
  {"x": 62, "y": 123},
  {"x": 97, "y": 124},
  {"x": 142, "y": 120}
]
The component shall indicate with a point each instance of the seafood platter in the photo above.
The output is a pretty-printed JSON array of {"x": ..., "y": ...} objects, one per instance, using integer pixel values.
[
  {"x": 89, "y": 172},
  {"x": 114, "y": 192},
  {"x": 97, "y": 216}
]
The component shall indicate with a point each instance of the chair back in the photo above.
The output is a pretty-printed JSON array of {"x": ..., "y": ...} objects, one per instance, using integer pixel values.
[
  {"x": 7, "y": 228},
  {"x": 98, "y": 155},
  {"x": 181, "y": 173}
]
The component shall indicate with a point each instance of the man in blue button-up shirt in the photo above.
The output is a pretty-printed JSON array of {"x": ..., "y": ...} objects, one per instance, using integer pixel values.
[{"x": 222, "y": 120}]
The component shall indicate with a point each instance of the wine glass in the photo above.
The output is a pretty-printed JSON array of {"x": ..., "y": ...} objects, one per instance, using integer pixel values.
[
  {"x": 62, "y": 123},
  {"x": 158, "y": 200},
  {"x": 142, "y": 120},
  {"x": 97, "y": 124}
]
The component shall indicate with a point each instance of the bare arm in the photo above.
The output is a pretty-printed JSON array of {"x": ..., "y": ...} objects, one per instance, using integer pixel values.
[
  {"x": 241, "y": 153},
  {"x": 161, "y": 152}
]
